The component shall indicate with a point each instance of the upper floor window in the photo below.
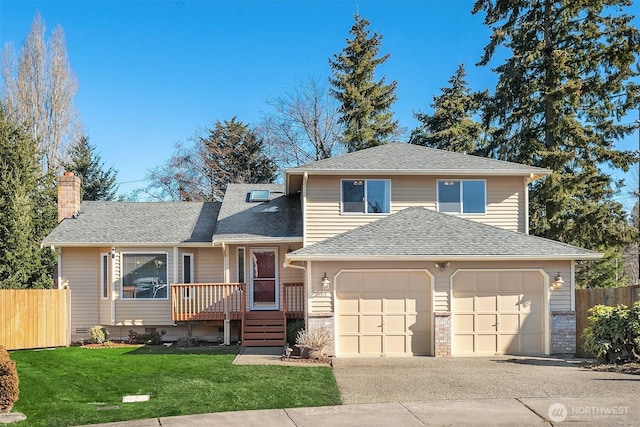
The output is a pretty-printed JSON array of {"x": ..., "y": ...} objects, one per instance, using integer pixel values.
[
  {"x": 144, "y": 276},
  {"x": 370, "y": 196},
  {"x": 462, "y": 196}
]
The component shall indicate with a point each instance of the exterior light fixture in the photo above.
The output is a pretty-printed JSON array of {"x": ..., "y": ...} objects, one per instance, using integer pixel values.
[
  {"x": 325, "y": 282},
  {"x": 113, "y": 253},
  {"x": 442, "y": 265},
  {"x": 557, "y": 283}
]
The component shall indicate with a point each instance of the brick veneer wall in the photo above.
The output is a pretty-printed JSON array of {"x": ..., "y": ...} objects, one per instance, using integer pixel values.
[
  {"x": 68, "y": 195},
  {"x": 443, "y": 333},
  {"x": 563, "y": 332}
]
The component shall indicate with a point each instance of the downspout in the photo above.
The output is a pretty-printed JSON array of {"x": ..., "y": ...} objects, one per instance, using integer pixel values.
[
  {"x": 305, "y": 177},
  {"x": 113, "y": 286},
  {"x": 526, "y": 203},
  {"x": 573, "y": 285}
]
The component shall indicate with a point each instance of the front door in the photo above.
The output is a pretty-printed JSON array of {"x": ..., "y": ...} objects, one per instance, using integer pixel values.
[{"x": 264, "y": 279}]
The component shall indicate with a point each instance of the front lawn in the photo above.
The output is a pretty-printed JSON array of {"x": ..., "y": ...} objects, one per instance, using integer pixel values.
[{"x": 66, "y": 386}]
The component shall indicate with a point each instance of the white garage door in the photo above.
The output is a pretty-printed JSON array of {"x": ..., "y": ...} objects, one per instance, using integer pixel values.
[
  {"x": 498, "y": 312},
  {"x": 383, "y": 313}
]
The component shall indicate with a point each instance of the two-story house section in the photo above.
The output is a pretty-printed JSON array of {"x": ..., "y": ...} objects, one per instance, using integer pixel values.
[{"x": 399, "y": 250}]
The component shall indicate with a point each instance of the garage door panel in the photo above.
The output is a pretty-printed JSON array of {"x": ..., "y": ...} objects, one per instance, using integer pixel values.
[
  {"x": 464, "y": 322},
  {"x": 508, "y": 319},
  {"x": 486, "y": 322},
  {"x": 349, "y": 303},
  {"x": 371, "y": 344},
  {"x": 371, "y": 324},
  {"x": 393, "y": 313},
  {"x": 349, "y": 324},
  {"x": 394, "y": 324},
  {"x": 484, "y": 302},
  {"x": 509, "y": 323},
  {"x": 464, "y": 301},
  {"x": 372, "y": 304},
  {"x": 487, "y": 282},
  {"x": 486, "y": 343}
]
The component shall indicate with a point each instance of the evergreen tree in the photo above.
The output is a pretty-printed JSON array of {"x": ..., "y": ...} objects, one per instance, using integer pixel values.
[
  {"x": 452, "y": 127},
  {"x": 25, "y": 221},
  {"x": 562, "y": 90},
  {"x": 365, "y": 105},
  {"x": 97, "y": 183},
  {"x": 232, "y": 153}
]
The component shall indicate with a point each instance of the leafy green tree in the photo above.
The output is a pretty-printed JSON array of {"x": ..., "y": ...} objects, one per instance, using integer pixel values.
[
  {"x": 23, "y": 264},
  {"x": 365, "y": 104},
  {"x": 85, "y": 162},
  {"x": 229, "y": 153},
  {"x": 563, "y": 87},
  {"x": 452, "y": 126}
]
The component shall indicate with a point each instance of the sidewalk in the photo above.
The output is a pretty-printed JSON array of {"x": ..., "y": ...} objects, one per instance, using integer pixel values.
[{"x": 539, "y": 412}]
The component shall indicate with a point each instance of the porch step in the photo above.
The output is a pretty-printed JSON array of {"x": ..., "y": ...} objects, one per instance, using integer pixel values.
[{"x": 264, "y": 328}]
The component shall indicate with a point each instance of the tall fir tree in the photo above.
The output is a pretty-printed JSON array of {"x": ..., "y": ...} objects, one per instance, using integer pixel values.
[
  {"x": 365, "y": 104},
  {"x": 98, "y": 183},
  {"x": 562, "y": 91},
  {"x": 452, "y": 125},
  {"x": 25, "y": 211}
]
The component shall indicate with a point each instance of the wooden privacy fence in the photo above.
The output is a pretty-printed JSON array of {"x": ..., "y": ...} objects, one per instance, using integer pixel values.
[
  {"x": 587, "y": 298},
  {"x": 34, "y": 318}
]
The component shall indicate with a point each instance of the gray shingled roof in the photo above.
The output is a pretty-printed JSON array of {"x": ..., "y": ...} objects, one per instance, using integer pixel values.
[
  {"x": 114, "y": 223},
  {"x": 416, "y": 159},
  {"x": 419, "y": 233},
  {"x": 240, "y": 220}
]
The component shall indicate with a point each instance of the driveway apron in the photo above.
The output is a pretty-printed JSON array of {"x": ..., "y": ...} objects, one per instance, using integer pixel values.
[{"x": 368, "y": 380}]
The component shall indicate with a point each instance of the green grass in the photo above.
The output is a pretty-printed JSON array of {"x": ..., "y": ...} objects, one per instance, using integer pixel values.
[{"x": 65, "y": 386}]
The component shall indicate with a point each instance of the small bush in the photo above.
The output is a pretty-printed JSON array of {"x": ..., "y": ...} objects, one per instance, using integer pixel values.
[
  {"x": 150, "y": 338},
  {"x": 613, "y": 334},
  {"x": 293, "y": 328},
  {"x": 316, "y": 338},
  {"x": 99, "y": 334},
  {"x": 9, "y": 391}
]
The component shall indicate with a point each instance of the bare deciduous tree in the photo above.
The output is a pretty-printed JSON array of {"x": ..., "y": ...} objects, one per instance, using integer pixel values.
[
  {"x": 38, "y": 90},
  {"x": 303, "y": 126}
]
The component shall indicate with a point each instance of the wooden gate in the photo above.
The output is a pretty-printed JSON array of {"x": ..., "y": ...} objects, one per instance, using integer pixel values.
[
  {"x": 34, "y": 318},
  {"x": 587, "y": 298}
]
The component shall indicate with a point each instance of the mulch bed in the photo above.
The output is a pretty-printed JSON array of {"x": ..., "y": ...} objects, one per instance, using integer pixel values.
[
  {"x": 297, "y": 359},
  {"x": 110, "y": 345},
  {"x": 632, "y": 368}
]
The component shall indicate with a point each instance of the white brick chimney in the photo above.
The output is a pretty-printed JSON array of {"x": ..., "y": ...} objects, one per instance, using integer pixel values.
[{"x": 68, "y": 196}]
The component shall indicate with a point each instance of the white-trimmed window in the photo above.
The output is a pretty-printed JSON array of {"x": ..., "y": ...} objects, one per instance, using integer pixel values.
[
  {"x": 104, "y": 276},
  {"x": 241, "y": 265},
  {"x": 187, "y": 274},
  {"x": 368, "y": 196},
  {"x": 144, "y": 275},
  {"x": 468, "y": 196}
]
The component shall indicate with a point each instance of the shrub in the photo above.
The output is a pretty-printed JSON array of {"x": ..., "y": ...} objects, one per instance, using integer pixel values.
[
  {"x": 316, "y": 338},
  {"x": 99, "y": 334},
  {"x": 149, "y": 338},
  {"x": 9, "y": 391},
  {"x": 613, "y": 334},
  {"x": 293, "y": 328}
]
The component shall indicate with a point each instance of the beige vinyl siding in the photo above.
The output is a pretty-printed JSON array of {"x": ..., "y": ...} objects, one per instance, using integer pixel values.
[
  {"x": 80, "y": 271},
  {"x": 559, "y": 300},
  {"x": 505, "y": 203},
  {"x": 208, "y": 265}
]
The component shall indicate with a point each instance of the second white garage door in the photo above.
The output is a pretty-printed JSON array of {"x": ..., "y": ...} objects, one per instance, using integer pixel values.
[
  {"x": 383, "y": 313},
  {"x": 498, "y": 312}
]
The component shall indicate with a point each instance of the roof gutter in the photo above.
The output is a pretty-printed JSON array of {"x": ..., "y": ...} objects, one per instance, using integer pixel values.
[
  {"x": 531, "y": 174},
  {"x": 506, "y": 257}
]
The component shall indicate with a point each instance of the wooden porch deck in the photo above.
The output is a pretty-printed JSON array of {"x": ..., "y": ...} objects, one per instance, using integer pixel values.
[{"x": 193, "y": 302}]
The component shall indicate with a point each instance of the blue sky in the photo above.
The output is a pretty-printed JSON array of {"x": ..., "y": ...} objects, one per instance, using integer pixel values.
[{"x": 152, "y": 73}]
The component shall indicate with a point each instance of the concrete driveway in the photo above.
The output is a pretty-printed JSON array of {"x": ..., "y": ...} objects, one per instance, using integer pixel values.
[{"x": 368, "y": 380}]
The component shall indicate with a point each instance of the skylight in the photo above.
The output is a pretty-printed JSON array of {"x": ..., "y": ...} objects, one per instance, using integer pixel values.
[{"x": 259, "y": 196}]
